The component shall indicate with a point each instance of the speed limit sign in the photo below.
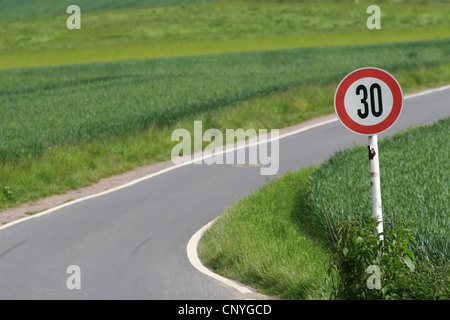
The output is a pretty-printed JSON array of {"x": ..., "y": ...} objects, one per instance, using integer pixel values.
[{"x": 368, "y": 101}]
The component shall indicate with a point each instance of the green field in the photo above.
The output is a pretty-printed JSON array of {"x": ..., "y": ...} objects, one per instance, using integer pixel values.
[
  {"x": 29, "y": 9},
  {"x": 415, "y": 175},
  {"x": 204, "y": 28},
  {"x": 63, "y": 167},
  {"x": 277, "y": 239},
  {"x": 54, "y": 105}
]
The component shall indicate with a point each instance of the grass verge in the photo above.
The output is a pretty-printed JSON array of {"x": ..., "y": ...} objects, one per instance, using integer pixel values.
[
  {"x": 269, "y": 240},
  {"x": 262, "y": 242}
]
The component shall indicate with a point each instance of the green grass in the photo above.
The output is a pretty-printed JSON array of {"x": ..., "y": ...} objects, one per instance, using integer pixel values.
[
  {"x": 414, "y": 171},
  {"x": 361, "y": 2},
  {"x": 275, "y": 239},
  {"x": 212, "y": 27},
  {"x": 64, "y": 167},
  {"x": 54, "y": 105},
  {"x": 29, "y": 9},
  {"x": 261, "y": 242}
]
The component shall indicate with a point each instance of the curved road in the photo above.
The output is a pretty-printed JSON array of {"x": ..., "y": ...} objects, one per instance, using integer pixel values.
[{"x": 131, "y": 243}]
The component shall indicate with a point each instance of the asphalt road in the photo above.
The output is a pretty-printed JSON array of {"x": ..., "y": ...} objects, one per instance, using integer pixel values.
[{"x": 131, "y": 243}]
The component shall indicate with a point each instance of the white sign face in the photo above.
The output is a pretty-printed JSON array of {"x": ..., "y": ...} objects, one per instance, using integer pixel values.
[{"x": 368, "y": 101}]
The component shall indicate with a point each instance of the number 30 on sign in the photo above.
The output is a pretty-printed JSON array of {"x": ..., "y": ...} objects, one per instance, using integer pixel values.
[{"x": 368, "y": 101}]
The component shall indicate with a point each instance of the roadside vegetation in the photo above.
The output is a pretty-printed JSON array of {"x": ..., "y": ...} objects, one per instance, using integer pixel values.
[
  {"x": 415, "y": 180},
  {"x": 309, "y": 233}
]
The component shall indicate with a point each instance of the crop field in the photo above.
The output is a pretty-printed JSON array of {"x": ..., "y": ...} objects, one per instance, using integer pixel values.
[
  {"x": 25, "y": 9},
  {"x": 203, "y": 28},
  {"x": 414, "y": 185},
  {"x": 53, "y": 105}
]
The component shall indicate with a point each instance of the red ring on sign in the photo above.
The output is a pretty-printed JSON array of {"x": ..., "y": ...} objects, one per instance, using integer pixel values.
[{"x": 384, "y": 76}]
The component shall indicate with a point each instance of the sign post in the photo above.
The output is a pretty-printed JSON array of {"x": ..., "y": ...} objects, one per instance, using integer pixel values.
[
  {"x": 368, "y": 101},
  {"x": 375, "y": 183}
]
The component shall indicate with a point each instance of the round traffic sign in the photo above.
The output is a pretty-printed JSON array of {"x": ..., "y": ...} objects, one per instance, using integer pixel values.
[{"x": 368, "y": 101}]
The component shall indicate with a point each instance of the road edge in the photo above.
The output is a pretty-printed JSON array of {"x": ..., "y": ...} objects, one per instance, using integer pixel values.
[
  {"x": 194, "y": 259},
  {"x": 192, "y": 246},
  {"x": 160, "y": 168}
]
